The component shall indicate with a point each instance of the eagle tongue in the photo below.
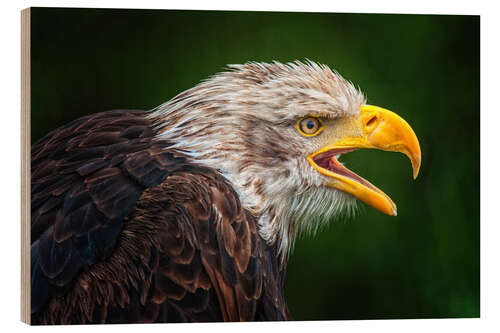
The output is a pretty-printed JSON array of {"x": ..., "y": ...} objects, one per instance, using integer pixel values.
[{"x": 335, "y": 166}]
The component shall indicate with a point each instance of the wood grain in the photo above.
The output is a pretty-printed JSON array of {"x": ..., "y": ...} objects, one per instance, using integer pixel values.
[{"x": 25, "y": 164}]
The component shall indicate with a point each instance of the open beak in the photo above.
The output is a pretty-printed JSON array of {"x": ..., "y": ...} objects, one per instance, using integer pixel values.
[{"x": 382, "y": 129}]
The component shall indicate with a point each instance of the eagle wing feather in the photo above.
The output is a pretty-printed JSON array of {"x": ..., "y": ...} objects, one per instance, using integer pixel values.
[{"x": 126, "y": 230}]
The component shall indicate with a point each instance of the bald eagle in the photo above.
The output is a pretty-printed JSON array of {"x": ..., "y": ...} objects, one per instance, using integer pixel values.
[{"x": 188, "y": 212}]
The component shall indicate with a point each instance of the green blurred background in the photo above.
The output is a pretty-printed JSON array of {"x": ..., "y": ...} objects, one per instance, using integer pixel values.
[{"x": 424, "y": 262}]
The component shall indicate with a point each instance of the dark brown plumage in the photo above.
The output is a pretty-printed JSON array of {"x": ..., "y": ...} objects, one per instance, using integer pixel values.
[{"x": 124, "y": 230}]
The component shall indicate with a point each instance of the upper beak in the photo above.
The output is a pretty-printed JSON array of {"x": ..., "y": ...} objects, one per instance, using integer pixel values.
[{"x": 381, "y": 129}]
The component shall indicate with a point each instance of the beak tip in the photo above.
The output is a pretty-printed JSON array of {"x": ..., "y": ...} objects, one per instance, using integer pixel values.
[
  {"x": 415, "y": 163},
  {"x": 394, "y": 212},
  {"x": 416, "y": 170}
]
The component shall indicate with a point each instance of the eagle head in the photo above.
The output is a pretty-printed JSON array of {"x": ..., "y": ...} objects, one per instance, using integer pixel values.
[{"x": 276, "y": 131}]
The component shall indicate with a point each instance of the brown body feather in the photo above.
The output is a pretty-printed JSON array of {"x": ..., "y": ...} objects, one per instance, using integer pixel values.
[{"x": 126, "y": 230}]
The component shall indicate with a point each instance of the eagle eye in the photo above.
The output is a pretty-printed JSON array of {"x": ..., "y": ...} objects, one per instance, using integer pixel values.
[{"x": 309, "y": 126}]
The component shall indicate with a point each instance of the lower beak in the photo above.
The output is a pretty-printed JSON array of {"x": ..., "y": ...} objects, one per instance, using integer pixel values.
[{"x": 382, "y": 129}]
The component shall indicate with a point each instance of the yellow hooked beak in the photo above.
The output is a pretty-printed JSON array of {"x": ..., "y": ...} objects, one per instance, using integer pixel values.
[{"x": 382, "y": 129}]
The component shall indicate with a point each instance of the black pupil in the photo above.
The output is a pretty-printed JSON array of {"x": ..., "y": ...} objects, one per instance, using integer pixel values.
[{"x": 310, "y": 124}]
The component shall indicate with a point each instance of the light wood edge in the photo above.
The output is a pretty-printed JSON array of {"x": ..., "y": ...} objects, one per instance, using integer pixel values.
[{"x": 25, "y": 165}]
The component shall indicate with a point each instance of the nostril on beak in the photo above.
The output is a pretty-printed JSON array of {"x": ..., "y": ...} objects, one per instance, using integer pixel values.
[
  {"x": 371, "y": 121},
  {"x": 371, "y": 124}
]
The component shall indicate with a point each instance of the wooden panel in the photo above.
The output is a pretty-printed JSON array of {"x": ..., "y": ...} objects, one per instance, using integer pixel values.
[{"x": 25, "y": 165}]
